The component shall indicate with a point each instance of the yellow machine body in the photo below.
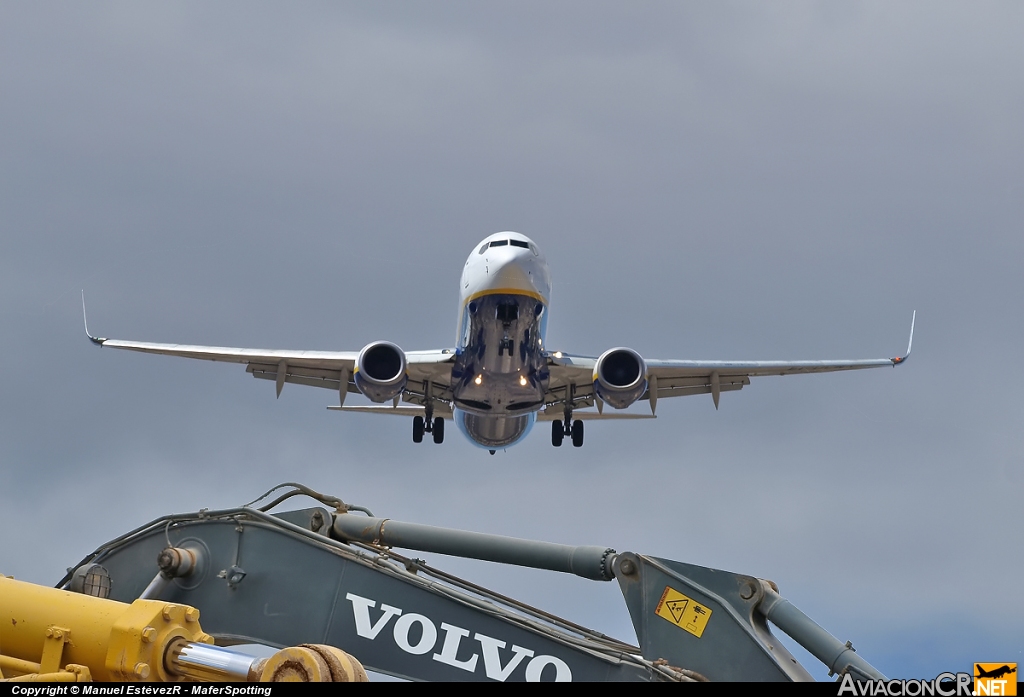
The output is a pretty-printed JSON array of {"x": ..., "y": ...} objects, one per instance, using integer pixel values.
[{"x": 44, "y": 630}]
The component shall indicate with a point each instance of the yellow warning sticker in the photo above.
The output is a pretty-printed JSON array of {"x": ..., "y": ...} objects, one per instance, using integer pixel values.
[{"x": 685, "y": 613}]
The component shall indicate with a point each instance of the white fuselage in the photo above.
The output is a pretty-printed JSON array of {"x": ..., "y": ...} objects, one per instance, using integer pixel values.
[{"x": 500, "y": 374}]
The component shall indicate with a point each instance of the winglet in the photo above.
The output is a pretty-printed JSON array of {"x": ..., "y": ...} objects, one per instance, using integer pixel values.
[
  {"x": 94, "y": 339},
  {"x": 899, "y": 359}
]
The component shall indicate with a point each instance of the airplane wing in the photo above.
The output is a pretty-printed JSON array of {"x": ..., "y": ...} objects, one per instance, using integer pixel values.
[
  {"x": 440, "y": 409},
  {"x": 673, "y": 378},
  {"x": 550, "y": 414},
  {"x": 327, "y": 369},
  {"x": 555, "y": 413},
  {"x": 312, "y": 368}
]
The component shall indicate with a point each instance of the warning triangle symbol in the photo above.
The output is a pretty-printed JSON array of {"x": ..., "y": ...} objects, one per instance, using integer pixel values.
[{"x": 677, "y": 608}]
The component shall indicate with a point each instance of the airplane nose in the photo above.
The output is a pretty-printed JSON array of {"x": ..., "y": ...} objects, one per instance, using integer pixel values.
[{"x": 513, "y": 275}]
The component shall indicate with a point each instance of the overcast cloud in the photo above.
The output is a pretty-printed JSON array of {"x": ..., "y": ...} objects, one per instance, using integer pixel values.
[{"x": 707, "y": 180}]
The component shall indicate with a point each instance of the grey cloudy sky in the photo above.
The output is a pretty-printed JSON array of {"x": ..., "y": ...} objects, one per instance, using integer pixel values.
[{"x": 708, "y": 180}]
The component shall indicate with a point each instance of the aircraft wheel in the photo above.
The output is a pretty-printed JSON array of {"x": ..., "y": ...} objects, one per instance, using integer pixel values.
[
  {"x": 557, "y": 434},
  {"x": 577, "y": 433},
  {"x": 438, "y": 430},
  {"x": 417, "y": 429}
]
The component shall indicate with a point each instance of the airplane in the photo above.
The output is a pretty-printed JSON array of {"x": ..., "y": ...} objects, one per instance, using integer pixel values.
[
  {"x": 995, "y": 673},
  {"x": 500, "y": 377}
]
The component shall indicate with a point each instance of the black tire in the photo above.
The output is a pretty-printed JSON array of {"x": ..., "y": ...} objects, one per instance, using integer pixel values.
[
  {"x": 438, "y": 430},
  {"x": 557, "y": 434},
  {"x": 417, "y": 429},
  {"x": 577, "y": 434}
]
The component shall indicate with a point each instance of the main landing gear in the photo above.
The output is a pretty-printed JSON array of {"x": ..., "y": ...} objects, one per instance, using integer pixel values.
[
  {"x": 433, "y": 426},
  {"x": 561, "y": 429}
]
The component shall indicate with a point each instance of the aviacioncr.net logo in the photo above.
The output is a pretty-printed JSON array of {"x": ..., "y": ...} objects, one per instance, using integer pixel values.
[
  {"x": 995, "y": 679},
  {"x": 945, "y": 685}
]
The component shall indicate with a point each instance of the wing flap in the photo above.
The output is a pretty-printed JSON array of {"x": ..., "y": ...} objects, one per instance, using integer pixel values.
[
  {"x": 695, "y": 389},
  {"x": 296, "y": 371},
  {"x": 441, "y": 410},
  {"x": 330, "y": 379},
  {"x": 671, "y": 384},
  {"x": 556, "y": 414}
]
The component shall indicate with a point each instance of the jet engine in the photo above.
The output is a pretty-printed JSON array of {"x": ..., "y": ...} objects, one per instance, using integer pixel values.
[
  {"x": 380, "y": 371},
  {"x": 620, "y": 377}
]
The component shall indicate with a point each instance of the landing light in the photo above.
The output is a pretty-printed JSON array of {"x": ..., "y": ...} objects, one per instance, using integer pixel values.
[
  {"x": 558, "y": 354},
  {"x": 478, "y": 379},
  {"x": 522, "y": 380}
]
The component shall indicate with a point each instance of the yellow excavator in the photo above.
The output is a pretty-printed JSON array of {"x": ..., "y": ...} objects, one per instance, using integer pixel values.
[{"x": 54, "y": 635}]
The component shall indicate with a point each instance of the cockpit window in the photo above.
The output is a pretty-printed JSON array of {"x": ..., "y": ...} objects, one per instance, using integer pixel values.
[
  {"x": 499, "y": 243},
  {"x": 483, "y": 248},
  {"x": 533, "y": 248},
  {"x": 519, "y": 243}
]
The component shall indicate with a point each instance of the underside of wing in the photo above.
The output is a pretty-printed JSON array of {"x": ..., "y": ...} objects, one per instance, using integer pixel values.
[
  {"x": 309, "y": 359},
  {"x": 429, "y": 372},
  {"x": 441, "y": 410},
  {"x": 621, "y": 373},
  {"x": 685, "y": 369},
  {"x": 575, "y": 384},
  {"x": 430, "y": 377},
  {"x": 313, "y": 368},
  {"x": 555, "y": 413}
]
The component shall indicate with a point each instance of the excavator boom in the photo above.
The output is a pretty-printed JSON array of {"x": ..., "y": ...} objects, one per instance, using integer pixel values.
[{"x": 329, "y": 575}]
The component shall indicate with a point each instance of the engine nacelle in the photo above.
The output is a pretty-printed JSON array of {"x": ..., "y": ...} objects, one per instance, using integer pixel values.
[
  {"x": 620, "y": 377},
  {"x": 380, "y": 371}
]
